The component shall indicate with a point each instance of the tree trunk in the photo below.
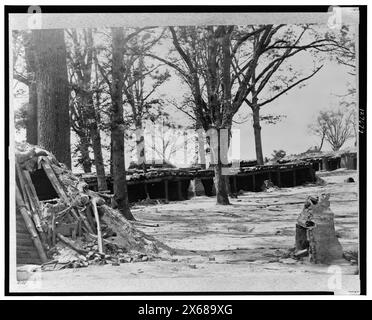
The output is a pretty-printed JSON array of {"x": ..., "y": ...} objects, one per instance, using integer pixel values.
[
  {"x": 84, "y": 151},
  {"x": 52, "y": 93},
  {"x": 185, "y": 148},
  {"x": 31, "y": 124},
  {"x": 98, "y": 158},
  {"x": 221, "y": 185},
  {"x": 321, "y": 142},
  {"x": 257, "y": 135},
  {"x": 219, "y": 177},
  {"x": 140, "y": 145},
  {"x": 117, "y": 125},
  {"x": 201, "y": 147}
]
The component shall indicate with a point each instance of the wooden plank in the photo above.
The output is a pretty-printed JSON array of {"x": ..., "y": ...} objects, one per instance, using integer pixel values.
[
  {"x": 54, "y": 181},
  {"x": 62, "y": 193},
  {"x": 22, "y": 185},
  {"x": 166, "y": 190},
  {"x": 235, "y": 184},
  {"x": 32, "y": 187},
  {"x": 146, "y": 190},
  {"x": 179, "y": 190},
  {"x": 99, "y": 233},
  {"x": 30, "y": 227},
  {"x": 279, "y": 179}
]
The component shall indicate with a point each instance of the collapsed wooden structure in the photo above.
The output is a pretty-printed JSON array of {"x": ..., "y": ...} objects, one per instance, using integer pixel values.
[
  {"x": 174, "y": 184},
  {"x": 55, "y": 209},
  {"x": 327, "y": 161}
]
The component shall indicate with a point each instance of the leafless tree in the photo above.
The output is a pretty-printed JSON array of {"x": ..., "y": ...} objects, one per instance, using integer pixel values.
[{"x": 336, "y": 127}]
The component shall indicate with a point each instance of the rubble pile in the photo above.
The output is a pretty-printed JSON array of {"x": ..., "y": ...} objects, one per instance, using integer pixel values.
[{"x": 78, "y": 227}]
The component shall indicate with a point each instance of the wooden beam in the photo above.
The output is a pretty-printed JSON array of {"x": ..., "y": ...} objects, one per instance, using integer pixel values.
[
  {"x": 279, "y": 179},
  {"x": 62, "y": 193},
  {"x": 179, "y": 190},
  {"x": 166, "y": 190},
  {"x": 30, "y": 227},
  {"x": 99, "y": 233}
]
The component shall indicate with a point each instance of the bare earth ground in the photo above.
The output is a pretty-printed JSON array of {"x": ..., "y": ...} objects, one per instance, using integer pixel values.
[{"x": 239, "y": 248}]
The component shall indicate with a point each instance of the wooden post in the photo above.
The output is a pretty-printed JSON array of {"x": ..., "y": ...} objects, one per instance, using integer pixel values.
[
  {"x": 53, "y": 229},
  {"x": 235, "y": 184},
  {"x": 179, "y": 190},
  {"x": 325, "y": 164},
  {"x": 312, "y": 174},
  {"x": 146, "y": 190},
  {"x": 99, "y": 234},
  {"x": 30, "y": 227},
  {"x": 279, "y": 180},
  {"x": 62, "y": 194},
  {"x": 166, "y": 190}
]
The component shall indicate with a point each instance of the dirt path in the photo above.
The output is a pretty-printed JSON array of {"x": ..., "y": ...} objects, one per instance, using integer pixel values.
[{"x": 242, "y": 247}]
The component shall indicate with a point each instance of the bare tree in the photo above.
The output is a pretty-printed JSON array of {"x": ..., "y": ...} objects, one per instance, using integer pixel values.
[
  {"x": 319, "y": 129},
  {"x": 141, "y": 81},
  {"x": 85, "y": 106},
  {"x": 273, "y": 75},
  {"x": 117, "y": 123},
  {"x": 336, "y": 126},
  {"x": 220, "y": 66}
]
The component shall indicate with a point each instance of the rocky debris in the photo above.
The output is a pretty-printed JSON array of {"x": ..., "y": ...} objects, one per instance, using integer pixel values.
[
  {"x": 65, "y": 257},
  {"x": 268, "y": 185},
  {"x": 319, "y": 181},
  {"x": 351, "y": 256},
  {"x": 315, "y": 231}
]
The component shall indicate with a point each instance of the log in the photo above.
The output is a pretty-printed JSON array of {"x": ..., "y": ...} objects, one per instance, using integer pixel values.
[
  {"x": 30, "y": 227},
  {"x": 99, "y": 233},
  {"x": 166, "y": 191},
  {"x": 53, "y": 229},
  {"x": 89, "y": 215},
  {"x": 62, "y": 194},
  {"x": 71, "y": 244}
]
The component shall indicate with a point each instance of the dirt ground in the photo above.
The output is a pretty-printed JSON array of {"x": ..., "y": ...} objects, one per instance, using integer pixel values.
[{"x": 239, "y": 248}]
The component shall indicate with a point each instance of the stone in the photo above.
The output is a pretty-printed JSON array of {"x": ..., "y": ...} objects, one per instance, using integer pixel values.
[
  {"x": 288, "y": 261},
  {"x": 301, "y": 253},
  {"x": 315, "y": 231}
]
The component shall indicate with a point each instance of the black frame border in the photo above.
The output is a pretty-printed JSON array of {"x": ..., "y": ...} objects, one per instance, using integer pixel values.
[{"x": 203, "y": 8}]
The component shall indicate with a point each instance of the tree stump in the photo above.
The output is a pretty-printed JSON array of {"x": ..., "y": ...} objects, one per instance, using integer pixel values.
[{"x": 315, "y": 231}]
